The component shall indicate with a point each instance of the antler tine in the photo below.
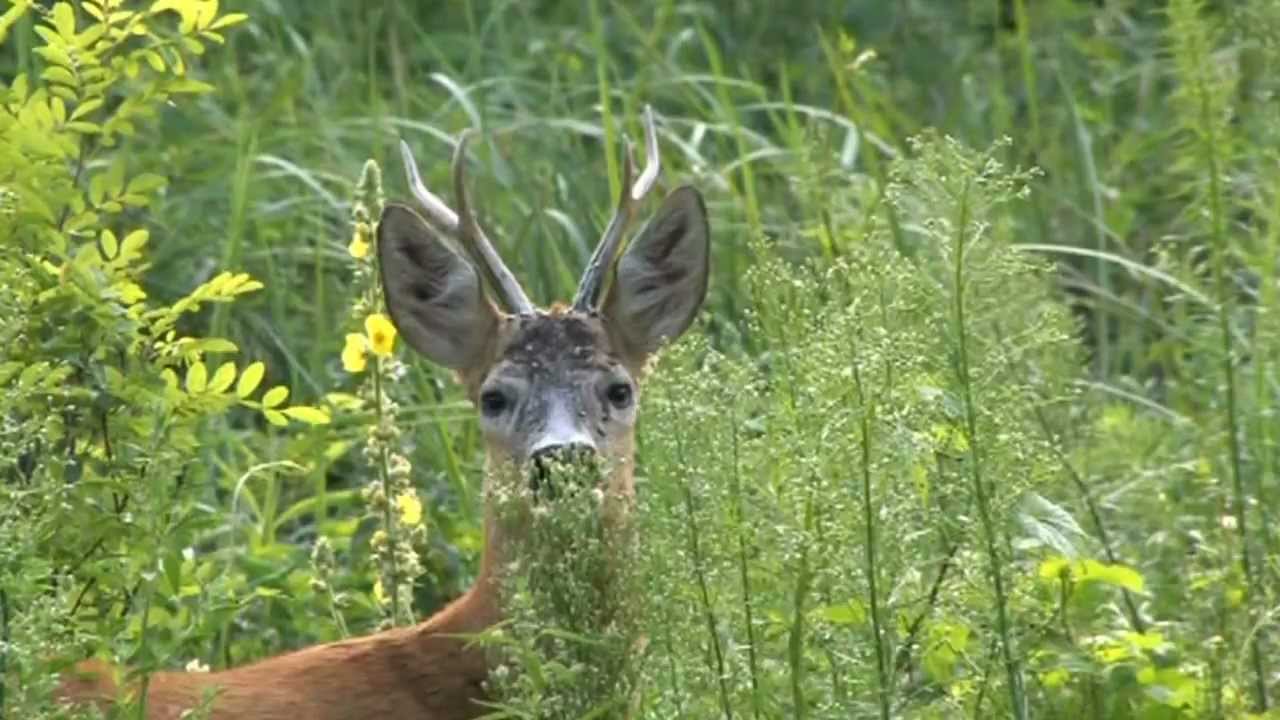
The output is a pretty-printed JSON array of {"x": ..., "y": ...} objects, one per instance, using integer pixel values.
[
  {"x": 589, "y": 289},
  {"x": 469, "y": 232},
  {"x": 438, "y": 211}
]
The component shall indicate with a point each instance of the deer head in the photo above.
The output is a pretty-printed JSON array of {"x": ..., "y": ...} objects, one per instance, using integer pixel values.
[{"x": 558, "y": 383}]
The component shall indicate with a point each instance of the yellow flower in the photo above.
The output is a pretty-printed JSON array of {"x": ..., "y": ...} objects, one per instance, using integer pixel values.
[
  {"x": 359, "y": 247},
  {"x": 381, "y": 334},
  {"x": 410, "y": 508},
  {"x": 353, "y": 360}
]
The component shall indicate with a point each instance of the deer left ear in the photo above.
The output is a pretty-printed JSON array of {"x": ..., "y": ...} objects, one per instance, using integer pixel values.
[{"x": 662, "y": 278}]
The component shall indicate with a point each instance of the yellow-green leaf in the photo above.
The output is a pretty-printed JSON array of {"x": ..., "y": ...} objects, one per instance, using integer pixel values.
[
  {"x": 848, "y": 613},
  {"x": 275, "y": 396},
  {"x": 249, "y": 379},
  {"x": 110, "y": 245},
  {"x": 275, "y": 417},
  {"x": 134, "y": 241},
  {"x": 85, "y": 108},
  {"x": 170, "y": 378},
  {"x": 197, "y": 377},
  {"x": 308, "y": 414},
  {"x": 189, "y": 86},
  {"x": 1117, "y": 575},
  {"x": 59, "y": 74},
  {"x": 64, "y": 19},
  {"x": 228, "y": 20},
  {"x": 154, "y": 59},
  {"x": 146, "y": 182},
  {"x": 223, "y": 377}
]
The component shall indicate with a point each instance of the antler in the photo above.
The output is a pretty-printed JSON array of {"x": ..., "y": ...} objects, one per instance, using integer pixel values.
[
  {"x": 463, "y": 226},
  {"x": 589, "y": 289}
]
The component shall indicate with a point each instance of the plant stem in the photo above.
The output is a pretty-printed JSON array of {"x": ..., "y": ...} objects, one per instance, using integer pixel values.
[
  {"x": 1225, "y": 307},
  {"x": 388, "y": 506},
  {"x": 1012, "y": 670},
  {"x": 743, "y": 575},
  {"x": 705, "y": 595},
  {"x": 1222, "y": 288},
  {"x": 4, "y": 644},
  {"x": 869, "y": 547},
  {"x": 795, "y": 641}
]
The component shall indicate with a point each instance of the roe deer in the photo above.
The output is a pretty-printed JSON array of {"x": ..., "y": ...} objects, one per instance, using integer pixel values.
[{"x": 560, "y": 382}]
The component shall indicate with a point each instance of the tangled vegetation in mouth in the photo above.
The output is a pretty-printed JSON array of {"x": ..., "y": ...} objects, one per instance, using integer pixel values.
[
  {"x": 569, "y": 598},
  {"x": 550, "y": 477}
]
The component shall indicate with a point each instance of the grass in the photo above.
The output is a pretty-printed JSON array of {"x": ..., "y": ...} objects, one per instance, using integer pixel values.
[{"x": 1157, "y": 204}]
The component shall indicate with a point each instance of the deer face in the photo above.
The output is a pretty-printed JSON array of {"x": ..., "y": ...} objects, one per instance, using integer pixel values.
[
  {"x": 547, "y": 384},
  {"x": 559, "y": 387}
]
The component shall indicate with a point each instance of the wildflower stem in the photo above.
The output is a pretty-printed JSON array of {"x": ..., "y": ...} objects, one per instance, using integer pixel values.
[
  {"x": 1221, "y": 247},
  {"x": 743, "y": 575},
  {"x": 869, "y": 547},
  {"x": 391, "y": 583},
  {"x": 4, "y": 643},
  {"x": 994, "y": 561}
]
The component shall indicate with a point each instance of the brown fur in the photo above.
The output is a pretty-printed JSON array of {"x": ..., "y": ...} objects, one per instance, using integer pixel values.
[{"x": 422, "y": 671}]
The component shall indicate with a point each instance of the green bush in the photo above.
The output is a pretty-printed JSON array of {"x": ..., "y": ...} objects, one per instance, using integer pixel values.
[{"x": 107, "y": 397}]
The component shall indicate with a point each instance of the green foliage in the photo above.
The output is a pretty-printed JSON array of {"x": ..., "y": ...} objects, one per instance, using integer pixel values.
[
  {"x": 873, "y": 412},
  {"x": 105, "y": 397},
  {"x": 570, "y": 638},
  {"x": 888, "y": 477}
]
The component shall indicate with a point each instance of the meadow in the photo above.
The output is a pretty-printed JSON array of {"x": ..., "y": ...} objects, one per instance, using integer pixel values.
[{"x": 979, "y": 419}]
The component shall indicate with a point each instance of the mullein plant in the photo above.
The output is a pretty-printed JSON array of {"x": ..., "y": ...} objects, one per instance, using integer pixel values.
[{"x": 369, "y": 356}]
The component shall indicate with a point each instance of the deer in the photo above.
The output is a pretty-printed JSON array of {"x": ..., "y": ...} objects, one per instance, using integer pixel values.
[{"x": 560, "y": 382}]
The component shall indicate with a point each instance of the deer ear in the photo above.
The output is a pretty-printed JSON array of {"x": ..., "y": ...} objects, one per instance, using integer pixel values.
[
  {"x": 433, "y": 293},
  {"x": 662, "y": 278}
]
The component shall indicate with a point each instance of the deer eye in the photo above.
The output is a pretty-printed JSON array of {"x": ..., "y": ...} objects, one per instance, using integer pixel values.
[
  {"x": 619, "y": 394},
  {"x": 494, "y": 402}
]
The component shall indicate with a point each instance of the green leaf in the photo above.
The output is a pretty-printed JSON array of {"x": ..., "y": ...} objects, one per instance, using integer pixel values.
[
  {"x": 275, "y": 396},
  {"x": 64, "y": 20},
  {"x": 228, "y": 20},
  {"x": 275, "y": 417},
  {"x": 134, "y": 242},
  {"x": 1053, "y": 568},
  {"x": 307, "y": 414},
  {"x": 154, "y": 59},
  {"x": 1118, "y": 575},
  {"x": 85, "y": 108},
  {"x": 189, "y": 86},
  {"x": 223, "y": 377},
  {"x": 59, "y": 74},
  {"x": 197, "y": 377},
  {"x": 249, "y": 379},
  {"x": 146, "y": 182},
  {"x": 849, "y": 613},
  {"x": 8, "y": 370},
  {"x": 110, "y": 245}
]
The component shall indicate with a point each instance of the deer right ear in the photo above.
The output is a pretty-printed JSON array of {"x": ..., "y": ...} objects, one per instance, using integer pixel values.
[{"x": 433, "y": 293}]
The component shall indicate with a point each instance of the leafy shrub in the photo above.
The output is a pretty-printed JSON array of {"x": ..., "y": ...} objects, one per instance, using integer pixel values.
[{"x": 106, "y": 399}]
